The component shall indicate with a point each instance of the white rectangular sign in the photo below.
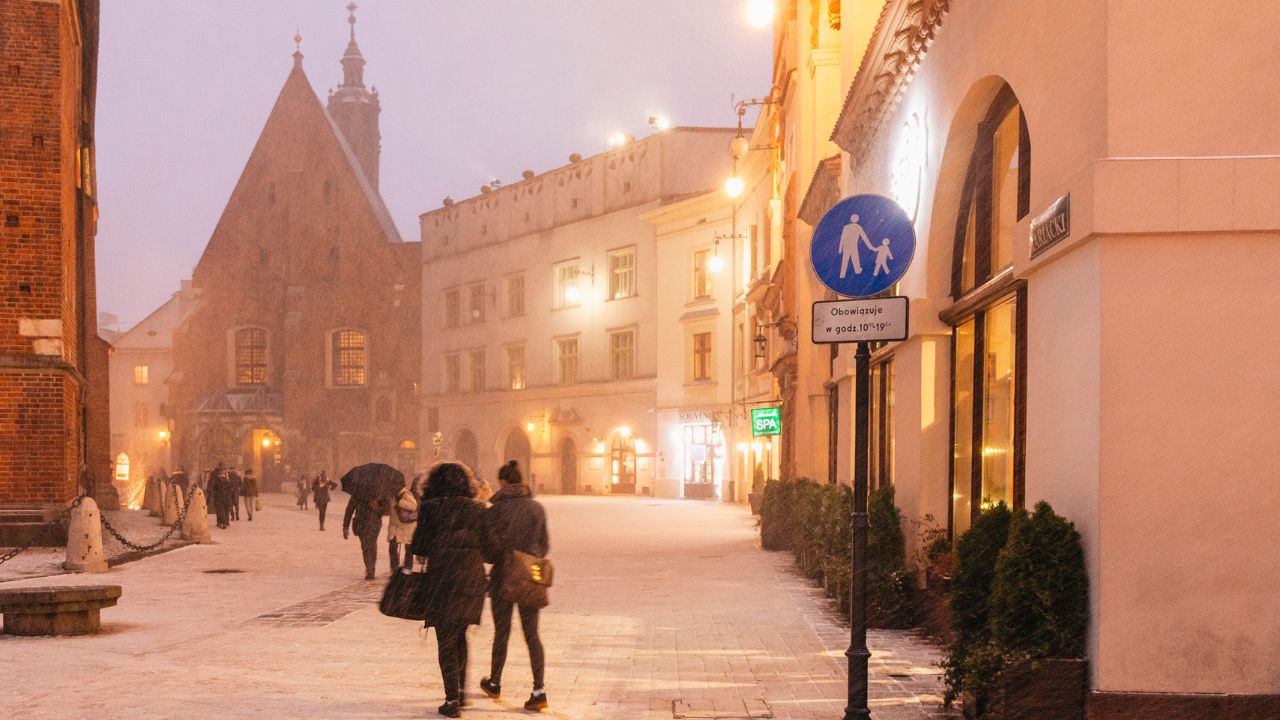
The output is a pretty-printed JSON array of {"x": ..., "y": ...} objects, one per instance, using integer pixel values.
[{"x": 842, "y": 321}]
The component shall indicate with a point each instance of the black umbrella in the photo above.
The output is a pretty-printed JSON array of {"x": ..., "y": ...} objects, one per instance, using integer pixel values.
[{"x": 373, "y": 482}]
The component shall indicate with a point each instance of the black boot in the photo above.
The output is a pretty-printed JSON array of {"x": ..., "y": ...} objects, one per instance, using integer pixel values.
[{"x": 450, "y": 708}]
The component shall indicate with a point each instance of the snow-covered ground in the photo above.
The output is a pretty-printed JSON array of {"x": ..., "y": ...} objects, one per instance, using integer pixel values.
[{"x": 656, "y": 602}]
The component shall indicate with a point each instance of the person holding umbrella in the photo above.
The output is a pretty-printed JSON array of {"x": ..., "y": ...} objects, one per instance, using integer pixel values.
[{"x": 452, "y": 533}]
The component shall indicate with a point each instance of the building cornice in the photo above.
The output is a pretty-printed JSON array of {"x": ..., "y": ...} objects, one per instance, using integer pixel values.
[
  {"x": 823, "y": 192},
  {"x": 902, "y": 36}
]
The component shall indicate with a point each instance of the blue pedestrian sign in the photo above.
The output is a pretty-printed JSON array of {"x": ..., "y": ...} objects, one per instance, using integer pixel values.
[{"x": 862, "y": 246}]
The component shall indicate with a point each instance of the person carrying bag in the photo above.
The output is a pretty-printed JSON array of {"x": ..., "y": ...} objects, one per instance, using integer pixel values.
[{"x": 520, "y": 577}]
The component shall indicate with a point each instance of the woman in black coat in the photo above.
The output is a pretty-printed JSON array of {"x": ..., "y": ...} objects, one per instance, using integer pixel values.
[{"x": 454, "y": 537}]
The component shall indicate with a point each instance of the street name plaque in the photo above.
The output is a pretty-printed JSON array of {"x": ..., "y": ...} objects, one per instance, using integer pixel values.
[{"x": 842, "y": 321}]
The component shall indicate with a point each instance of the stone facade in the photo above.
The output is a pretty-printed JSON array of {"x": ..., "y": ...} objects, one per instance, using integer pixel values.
[
  {"x": 53, "y": 382},
  {"x": 301, "y": 351},
  {"x": 540, "y": 324}
]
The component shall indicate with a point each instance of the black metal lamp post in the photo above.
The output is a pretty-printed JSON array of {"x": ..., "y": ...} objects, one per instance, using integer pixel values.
[{"x": 858, "y": 653}]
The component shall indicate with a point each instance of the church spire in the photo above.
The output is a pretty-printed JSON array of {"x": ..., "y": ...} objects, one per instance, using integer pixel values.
[
  {"x": 352, "y": 60},
  {"x": 297, "y": 51},
  {"x": 355, "y": 109}
]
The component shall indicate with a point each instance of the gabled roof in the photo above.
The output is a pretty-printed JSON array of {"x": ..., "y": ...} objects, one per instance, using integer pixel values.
[
  {"x": 155, "y": 330},
  {"x": 370, "y": 193}
]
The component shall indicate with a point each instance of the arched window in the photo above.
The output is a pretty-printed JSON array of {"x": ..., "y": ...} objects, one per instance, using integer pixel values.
[
  {"x": 349, "y": 358},
  {"x": 251, "y": 356},
  {"x": 988, "y": 320}
]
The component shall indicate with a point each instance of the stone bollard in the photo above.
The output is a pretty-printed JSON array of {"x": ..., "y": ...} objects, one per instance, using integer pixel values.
[
  {"x": 172, "y": 506},
  {"x": 84, "y": 539},
  {"x": 195, "y": 526},
  {"x": 154, "y": 499}
]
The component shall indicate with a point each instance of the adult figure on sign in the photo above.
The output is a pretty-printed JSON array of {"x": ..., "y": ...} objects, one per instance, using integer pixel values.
[{"x": 843, "y": 233}]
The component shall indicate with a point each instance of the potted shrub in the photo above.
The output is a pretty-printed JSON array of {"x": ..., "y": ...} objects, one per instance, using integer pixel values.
[
  {"x": 756, "y": 496},
  {"x": 1039, "y": 617},
  {"x": 972, "y": 666}
]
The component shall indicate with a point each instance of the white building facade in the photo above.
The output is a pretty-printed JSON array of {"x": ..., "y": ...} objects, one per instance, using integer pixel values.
[{"x": 542, "y": 329}]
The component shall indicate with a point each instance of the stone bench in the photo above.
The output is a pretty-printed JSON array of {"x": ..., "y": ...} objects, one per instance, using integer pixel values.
[{"x": 73, "y": 610}]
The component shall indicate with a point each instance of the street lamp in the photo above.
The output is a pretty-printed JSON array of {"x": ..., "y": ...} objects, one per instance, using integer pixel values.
[
  {"x": 760, "y": 12},
  {"x": 734, "y": 186}
]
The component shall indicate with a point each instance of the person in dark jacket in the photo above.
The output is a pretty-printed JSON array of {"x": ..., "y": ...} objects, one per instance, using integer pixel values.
[
  {"x": 237, "y": 488},
  {"x": 320, "y": 488},
  {"x": 364, "y": 517},
  {"x": 454, "y": 537},
  {"x": 516, "y": 522},
  {"x": 220, "y": 490},
  {"x": 250, "y": 493}
]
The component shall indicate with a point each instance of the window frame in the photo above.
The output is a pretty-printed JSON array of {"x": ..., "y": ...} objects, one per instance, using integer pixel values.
[
  {"x": 142, "y": 374},
  {"x": 475, "y": 304},
  {"x": 337, "y": 364},
  {"x": 560, "y": 356},
  {"x": 451, "y": 369},
  {"x": 629, "y": 272},
  {"x": 516, "y": 380},
  {"x": 514, "y": 308},
  {"x": 630, "y": 350},
  {"x": 258, "y": 378},
  {"x": 705, "y": 355},
  {"x": 452, "y": 307},
  {"x": 477, "y": 381},
  {"x": 565, "y": 274},
  {"x": 700, "y": 275}
]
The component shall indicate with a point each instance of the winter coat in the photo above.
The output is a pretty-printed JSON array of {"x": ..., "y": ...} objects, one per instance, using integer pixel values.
[
  {"x": 402, "y": 532},
  {"x": 237, "y": 484},
  {"x": 250, "y": 486},
  {"x": 516, "y": 522},
  {"x": 320, "y": 490},
  {"x": 454, "y": 537},
  {"x": 363, "y": 519}
]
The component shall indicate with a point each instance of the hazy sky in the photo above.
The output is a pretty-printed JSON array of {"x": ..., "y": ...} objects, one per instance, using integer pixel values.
[{"x": 471, "y": 90}]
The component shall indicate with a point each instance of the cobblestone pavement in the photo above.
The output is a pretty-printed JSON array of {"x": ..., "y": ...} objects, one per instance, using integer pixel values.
[{"x": 661, "y": 610}]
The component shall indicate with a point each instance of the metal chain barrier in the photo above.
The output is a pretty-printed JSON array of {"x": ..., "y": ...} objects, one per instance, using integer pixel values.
[
  {"x": 172, "y": 529},
  {"x": 62, "y": 518}
]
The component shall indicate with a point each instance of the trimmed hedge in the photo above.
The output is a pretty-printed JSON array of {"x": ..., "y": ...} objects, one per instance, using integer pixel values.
[{"x": 813, "y": 521}]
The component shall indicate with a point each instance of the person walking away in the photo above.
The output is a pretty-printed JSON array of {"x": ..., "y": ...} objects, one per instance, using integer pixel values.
[
  {"x": 516, "y": 522},
  {"x": 320, "y": 487},
  {"x": 364, "y": 517},
  {"x": 220, "y": 490},
  {"x": 453, "y": 535},
  {"x": 181, "y": 480},
  {"x": 304, "y": 489},
  {"x": 250, "y": 492},
  {"x": 404, "y": 516},
  {"x": 237, "y": 489}
]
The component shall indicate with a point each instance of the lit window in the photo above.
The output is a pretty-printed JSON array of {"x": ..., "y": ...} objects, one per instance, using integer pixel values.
[
  {"x": 349, "y": 354},
  {"x": 622, "y": 273},
  {"x": 515, "y": 367},
  {"x": 251, "y": 356},
  {"x": 568, "y": 294},
  {"x": 515, "y": 296},
  {"x": 141, "y": 374},
  {"x": 452, "y": 308},
  {"x": 622, "y": 354},
  {"x": 452, "y": 373},
  {"x": 702, "y": 356},
  {"x": 477, "y": 370},
  {"x": 567, "y": 361},
  {"x": 701, "y": 275},
  {"x": 475, "y": 303}
]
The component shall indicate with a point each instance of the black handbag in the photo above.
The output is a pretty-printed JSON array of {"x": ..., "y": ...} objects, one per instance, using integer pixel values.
[{"x": 405, "y": 595}]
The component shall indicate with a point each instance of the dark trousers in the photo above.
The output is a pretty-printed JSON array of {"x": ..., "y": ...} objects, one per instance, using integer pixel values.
[
  {"x": 235, "y": 507},
  {"x": 452, "y": 643},
  {"x": 393, "y": 549},
  {"x": 369, "y": 548},
  {"x": 502, "y": 633},
  {"x": 321, "y": 507},
  {"x": 223, "y": 513}
]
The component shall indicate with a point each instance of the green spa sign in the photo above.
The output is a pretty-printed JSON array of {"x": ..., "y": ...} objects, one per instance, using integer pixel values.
[{"x": 766, "y": 421}]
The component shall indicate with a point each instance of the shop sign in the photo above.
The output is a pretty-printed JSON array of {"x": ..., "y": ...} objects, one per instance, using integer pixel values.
[
  {"x": 842, "y": 321},
  {"x": 1051, "y": 226},
  {"x": 862, "y": 246},
  {"x": 766, "y": 421}
]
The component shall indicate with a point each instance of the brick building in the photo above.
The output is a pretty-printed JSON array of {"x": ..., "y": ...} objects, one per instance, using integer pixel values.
[
  {"x": 301, "y": 351},
  {"x": 53, "y": 394}
]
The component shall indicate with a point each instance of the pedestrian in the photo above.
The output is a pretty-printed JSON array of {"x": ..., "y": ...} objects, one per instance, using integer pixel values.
[
  {"x": 364, "y": 518},
  {"x": 220, "y": 490},
  {"x": 181, "y": 480},
  {"x": 516, "y": 522},
  {"x": 320, "y": 487},
  {"x": 304, "y": 489},
  {"x": 237, "y": 489},
  {"x": 400, "y": 526},
  {"x": 453, "y": 535},
  {"x": 482, "y": 490},
  {"x": 250, "y": 493}
]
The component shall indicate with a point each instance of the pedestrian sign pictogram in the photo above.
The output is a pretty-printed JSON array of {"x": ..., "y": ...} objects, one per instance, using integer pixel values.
[{"x": 862, "y": 246}]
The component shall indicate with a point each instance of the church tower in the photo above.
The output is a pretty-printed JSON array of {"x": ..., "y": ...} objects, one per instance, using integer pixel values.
[{"x": 355, "y": 109}]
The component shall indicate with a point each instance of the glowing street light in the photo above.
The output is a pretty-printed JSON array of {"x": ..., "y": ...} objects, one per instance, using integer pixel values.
[
  {"x": 530, "y": 427},
  {"x": 734, "y": 186},
  {"x": 572, "y": 295},
  {"x": 715, "y": 263},
  {"x": 760, "y": 12},
  {"x": 617, "y": 139},
  {"x": 661, "y": 123}
]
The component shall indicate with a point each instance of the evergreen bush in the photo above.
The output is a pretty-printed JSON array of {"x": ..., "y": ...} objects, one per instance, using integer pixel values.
[
  {"x": 775, "y": 515},
  {"x": 889, "y": 587},
  {"x": 972, "y": 660},
  {"x": 1040, "y": 592}
]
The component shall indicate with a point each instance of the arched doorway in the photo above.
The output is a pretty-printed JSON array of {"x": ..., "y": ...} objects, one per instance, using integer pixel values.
[
  {"x": 465, "y": 450},
  {"x": 217, "y": 445},
  {"x": 267, "y": 454},
  {"x": 622, "y": 464},
  {"x": 568, "y": 467},
  {"x": 517, "y": 448}
]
